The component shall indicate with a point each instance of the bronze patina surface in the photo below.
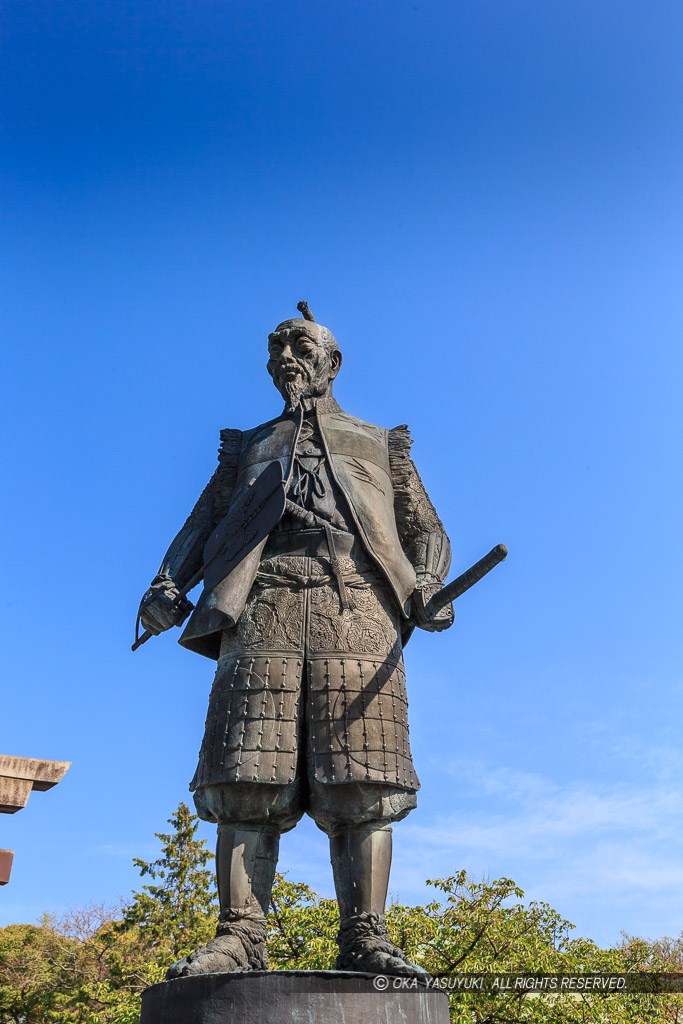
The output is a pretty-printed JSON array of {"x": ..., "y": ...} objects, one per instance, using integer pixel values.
[{"x": 306, "y": 617}]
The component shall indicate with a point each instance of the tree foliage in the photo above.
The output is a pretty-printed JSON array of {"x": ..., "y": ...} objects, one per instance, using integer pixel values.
[
  {"x": 177, "y": 913},
  {"x": 483, "y": 927},
  {"x": 91, "y": 966}
]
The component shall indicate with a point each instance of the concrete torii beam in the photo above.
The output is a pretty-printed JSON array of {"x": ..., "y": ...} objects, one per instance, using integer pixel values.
[{"x": 18, "y": 776}]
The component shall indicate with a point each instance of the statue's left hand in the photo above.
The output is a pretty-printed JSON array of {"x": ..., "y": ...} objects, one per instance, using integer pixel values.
[
  {"x": 443, "y": 619},
  {"x": 161, "y": 607}
]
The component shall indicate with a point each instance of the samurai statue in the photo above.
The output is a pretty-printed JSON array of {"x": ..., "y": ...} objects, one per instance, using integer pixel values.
[{"x": 320, "y": 551}]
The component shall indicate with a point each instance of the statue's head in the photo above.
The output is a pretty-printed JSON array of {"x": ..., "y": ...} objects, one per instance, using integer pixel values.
[{"x": 303, "y": 358}]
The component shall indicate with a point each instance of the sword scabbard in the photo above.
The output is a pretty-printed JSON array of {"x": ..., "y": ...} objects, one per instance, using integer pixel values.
[{"x": 454, "y": 590}]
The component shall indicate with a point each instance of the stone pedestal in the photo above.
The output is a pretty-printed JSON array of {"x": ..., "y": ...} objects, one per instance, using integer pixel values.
[{"x": 292, "y": 997}]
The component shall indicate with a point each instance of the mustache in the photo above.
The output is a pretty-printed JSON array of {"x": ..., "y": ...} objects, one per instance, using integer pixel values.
[
  {"x": 294, "y": 366},
  {"x": 296, "y": 379},
  {"x": 293, "y": 379}
]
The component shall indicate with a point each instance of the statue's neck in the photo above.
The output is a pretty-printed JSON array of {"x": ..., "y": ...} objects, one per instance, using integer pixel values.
[{"x": 309, "y": 402}]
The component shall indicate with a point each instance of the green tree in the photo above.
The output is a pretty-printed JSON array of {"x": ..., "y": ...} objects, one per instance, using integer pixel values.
[
  {"x": 91, "y": 966},
  {"x": 29, "y": 984},
  {"x": 59, "y": 972},
  {"x": 178, "y": 912},
  {"x": 481, "y": 927},
  {"x": 302, "y": 928}
]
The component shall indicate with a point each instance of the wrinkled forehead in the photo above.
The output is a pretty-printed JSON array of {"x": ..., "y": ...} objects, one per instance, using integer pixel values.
[
  {"x": 295, "y": 329},
  {"x": 299, "y": 326},
  {"x": 292, "y": 329}
]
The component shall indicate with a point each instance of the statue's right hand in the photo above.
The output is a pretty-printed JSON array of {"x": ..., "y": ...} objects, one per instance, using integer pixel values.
[{"x": 160, "y": 607}]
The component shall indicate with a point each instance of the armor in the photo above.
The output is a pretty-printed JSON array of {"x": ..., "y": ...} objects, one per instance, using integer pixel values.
[
  {"x": 308, "y": 712},
  {"x": 302, "y": 681},
  {"x": 394, "y": 517},
  {"x": 293, "y": 665}
]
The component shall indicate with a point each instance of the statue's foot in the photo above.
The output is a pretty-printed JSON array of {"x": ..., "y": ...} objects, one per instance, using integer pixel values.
[
  {"x": 239, "y": 946},
  {"x": 380, "y": 961},
  {"x": 365, "y": 946}
]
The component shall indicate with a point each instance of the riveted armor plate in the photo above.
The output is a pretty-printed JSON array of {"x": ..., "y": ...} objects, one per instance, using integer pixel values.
[
  {"x": 251, "y": 727},
  {"x": 358, "y": 716},
  {"x": 300, "y": 669}
]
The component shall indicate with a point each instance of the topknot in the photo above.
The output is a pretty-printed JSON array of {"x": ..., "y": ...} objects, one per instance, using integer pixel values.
[{"x": 305, "y": 311}]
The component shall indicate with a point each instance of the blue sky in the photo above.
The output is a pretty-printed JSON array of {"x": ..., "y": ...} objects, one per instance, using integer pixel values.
[{"x": 482, "y": 200}]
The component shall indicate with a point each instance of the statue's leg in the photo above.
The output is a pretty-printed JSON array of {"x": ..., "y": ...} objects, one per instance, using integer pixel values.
[
  {"x": 360, "y": 769},
  {"x": 250, "y": 817},
  {"x": 357, "y": 817}
]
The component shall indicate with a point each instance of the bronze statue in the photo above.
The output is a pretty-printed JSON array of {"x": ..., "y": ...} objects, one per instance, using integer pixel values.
[{"x": 320, "y": 551}]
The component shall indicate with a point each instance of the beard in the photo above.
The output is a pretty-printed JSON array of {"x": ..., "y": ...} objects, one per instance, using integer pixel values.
[
  {"x": 309, "y": 383},
  {"x": 293, "y": 391}
]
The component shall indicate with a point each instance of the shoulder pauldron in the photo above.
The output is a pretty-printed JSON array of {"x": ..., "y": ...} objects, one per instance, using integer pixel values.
[{"x": 228, "y": 462}]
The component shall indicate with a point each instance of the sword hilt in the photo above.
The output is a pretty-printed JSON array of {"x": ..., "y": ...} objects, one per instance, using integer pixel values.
[{"x": 463, "y": 582}]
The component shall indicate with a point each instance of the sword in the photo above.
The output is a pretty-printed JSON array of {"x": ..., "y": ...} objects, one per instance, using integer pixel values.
[{"x": 463, "y": 582}]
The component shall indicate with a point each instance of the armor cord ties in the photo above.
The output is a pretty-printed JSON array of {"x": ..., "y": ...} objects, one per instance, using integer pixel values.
[{"x": 335, "y": 566}]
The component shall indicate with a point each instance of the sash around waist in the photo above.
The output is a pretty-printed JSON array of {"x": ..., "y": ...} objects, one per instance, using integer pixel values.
[{"x": 312, "y": 543}]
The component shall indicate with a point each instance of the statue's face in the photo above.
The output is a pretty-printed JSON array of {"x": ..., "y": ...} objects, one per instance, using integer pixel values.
[{"x": 299, "y": 362}]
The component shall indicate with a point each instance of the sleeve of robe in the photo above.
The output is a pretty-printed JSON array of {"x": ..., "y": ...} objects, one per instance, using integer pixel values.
[{"x": 420, "y": 530}]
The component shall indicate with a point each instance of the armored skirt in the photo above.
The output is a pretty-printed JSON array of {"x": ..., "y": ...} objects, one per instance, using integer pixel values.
[{"x": 311, "y": 684}]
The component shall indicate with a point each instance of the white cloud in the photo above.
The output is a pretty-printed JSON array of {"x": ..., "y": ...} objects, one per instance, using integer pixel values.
[{"x": 586, "y": 848}]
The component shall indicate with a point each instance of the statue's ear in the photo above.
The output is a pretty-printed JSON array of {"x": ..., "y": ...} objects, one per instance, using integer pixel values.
[{"x": 335, "y": 363}]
